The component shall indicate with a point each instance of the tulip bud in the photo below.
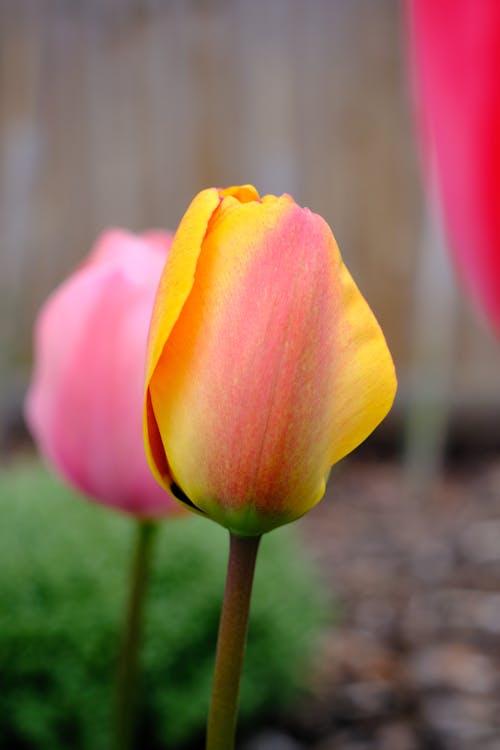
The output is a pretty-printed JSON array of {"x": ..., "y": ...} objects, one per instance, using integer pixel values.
[
  {"x": 265, "y": 363},
  {"x": 84, "y": 403}
]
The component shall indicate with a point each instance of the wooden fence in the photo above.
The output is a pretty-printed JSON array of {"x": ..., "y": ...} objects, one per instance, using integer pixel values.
[{"x": 117, "y": 112}]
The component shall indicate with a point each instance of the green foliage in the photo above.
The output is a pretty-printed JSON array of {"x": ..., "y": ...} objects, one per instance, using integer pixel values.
[{"x": 63, "y": 569}]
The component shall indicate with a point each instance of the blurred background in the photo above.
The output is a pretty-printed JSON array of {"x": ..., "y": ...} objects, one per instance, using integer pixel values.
[{"x": 116, "y": 113}]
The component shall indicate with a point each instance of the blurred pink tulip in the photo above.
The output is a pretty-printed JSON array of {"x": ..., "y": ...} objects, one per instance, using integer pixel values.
[
  {"x": 455, "y": 51},
  {"x": 84, "y": 404}
]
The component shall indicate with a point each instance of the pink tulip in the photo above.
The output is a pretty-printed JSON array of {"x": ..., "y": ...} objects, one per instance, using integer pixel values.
[
  {"x": 455, "y": 47},
  {"x": 84, "y": 404}
]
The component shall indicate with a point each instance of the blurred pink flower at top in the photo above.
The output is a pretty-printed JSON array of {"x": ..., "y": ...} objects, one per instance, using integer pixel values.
[
  {"x": 84, "y": 404},
  {"x": 455, "y": 52}
]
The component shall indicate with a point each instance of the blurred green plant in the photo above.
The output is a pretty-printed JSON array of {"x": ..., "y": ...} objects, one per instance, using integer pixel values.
[{"x": 63, "y": 568}]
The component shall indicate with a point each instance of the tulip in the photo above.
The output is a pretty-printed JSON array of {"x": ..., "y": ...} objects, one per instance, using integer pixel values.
[
  {"x": 84, "y": 408},
  {"x": 84, "y": 405},
  {"x": 265, "y": 363},
  {"x": 455, "y": 55}
]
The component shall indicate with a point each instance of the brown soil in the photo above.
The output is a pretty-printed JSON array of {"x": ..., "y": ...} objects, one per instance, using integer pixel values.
[{"x": 413, "y": 662}]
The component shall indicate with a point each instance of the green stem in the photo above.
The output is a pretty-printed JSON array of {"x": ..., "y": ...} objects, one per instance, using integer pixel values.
[
  {"x": 126, "y": 687},
  {"x": 233, "y": 628}
]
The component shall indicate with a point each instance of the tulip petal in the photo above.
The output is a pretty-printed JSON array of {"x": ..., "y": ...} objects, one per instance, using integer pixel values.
[
  {"x": 178, "y": 276},
  {"x": 243, "y": 193},
  {"x": 455, "y": 54},
  {"x": 179, "y": 272},
  {"x": 366, "y": 383}
]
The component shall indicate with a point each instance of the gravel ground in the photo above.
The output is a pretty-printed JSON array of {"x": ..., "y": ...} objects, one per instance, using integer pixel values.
[{"x": 414, "y": 662}]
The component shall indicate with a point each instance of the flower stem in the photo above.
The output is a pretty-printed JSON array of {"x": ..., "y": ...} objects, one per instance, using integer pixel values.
[
  {"x": 126, "y": 687},
  {"x": 231, "y": 641}
]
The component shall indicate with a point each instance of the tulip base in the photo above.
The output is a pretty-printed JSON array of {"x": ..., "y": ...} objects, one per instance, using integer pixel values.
[
  {"x": 221, "y": 728},
  {"x": 126, "y": 688}
]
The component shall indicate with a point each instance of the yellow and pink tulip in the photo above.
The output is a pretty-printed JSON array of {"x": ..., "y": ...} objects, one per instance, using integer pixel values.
[{"x": 265, "y": 364}]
